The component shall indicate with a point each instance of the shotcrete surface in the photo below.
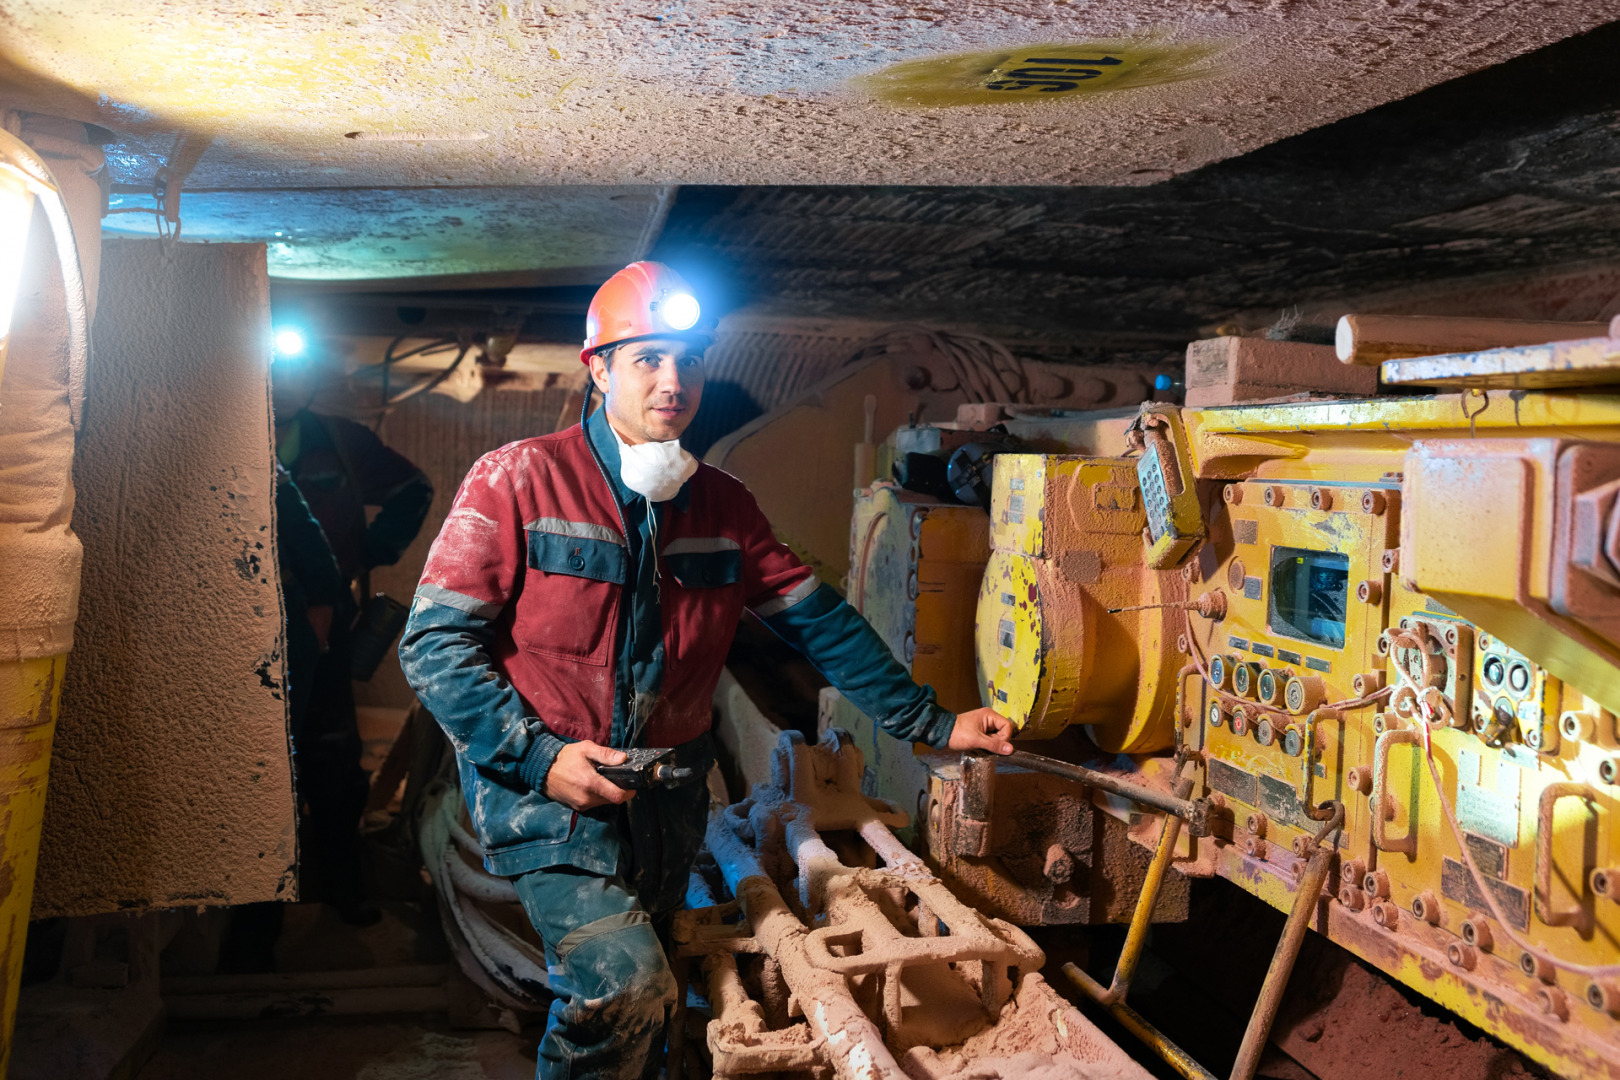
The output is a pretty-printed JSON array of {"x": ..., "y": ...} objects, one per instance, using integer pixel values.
[
  {"x": 455, "y": 92},
  {"x": 170, "y": 783}
]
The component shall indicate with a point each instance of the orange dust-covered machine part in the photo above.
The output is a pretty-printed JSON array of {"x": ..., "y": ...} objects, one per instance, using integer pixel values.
[{"x": 645, "y": 299}]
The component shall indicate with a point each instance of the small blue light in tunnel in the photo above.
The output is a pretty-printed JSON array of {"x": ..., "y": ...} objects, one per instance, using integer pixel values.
[{"x": 287, "y": 343}]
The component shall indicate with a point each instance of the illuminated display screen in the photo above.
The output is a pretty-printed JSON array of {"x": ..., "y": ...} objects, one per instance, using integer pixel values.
[{"x": 1309, "y": 590}]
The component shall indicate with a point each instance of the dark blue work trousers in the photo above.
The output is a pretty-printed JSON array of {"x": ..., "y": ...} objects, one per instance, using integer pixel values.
[{"x": 612, "y": 983}]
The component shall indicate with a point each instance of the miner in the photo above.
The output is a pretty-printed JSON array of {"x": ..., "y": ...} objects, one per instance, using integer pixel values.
[
  {"x": 579, "y": 601},
  {"x": 341, "y": 468}
]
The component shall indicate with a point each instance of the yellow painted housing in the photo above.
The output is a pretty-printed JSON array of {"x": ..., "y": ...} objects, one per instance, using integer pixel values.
[
  {"x": 30, "y": 693},
  {"x": 1066, "y": 540},
  {"x": 1402, "y": 569},
  {"x": 915, "y": 568},
  {"x": 1399, "y": 581}
]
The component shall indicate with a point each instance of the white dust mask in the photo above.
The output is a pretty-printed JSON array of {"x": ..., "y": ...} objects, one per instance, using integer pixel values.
[{"x": 655, "y": 470}]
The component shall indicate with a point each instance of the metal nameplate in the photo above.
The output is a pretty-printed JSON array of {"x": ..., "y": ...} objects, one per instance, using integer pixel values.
[
  {"x": 1230, "y": 780},
  {"x": 1318, "y": 665},
  {"x": 1458, "y": 885},
  {"x": 1489, "y": 856},
  {"x": 1260, "y": 650},
  {"x": 1246, "y": 530},
  {"x": 1281, "y": 803},
  {"x": 1487, "y": 814}
]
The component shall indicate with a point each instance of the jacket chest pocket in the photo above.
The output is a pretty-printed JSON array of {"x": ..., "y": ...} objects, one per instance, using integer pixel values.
[
  {"x": 704, "y": 569},
  {"x": 569, "y": 606},
  {"x": 708, "y": 600}
]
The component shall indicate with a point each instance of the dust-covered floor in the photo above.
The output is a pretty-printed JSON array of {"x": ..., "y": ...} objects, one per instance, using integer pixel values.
[
  {"x": 344, "y": 1048},
  {"x": 394, "y": 1048}
]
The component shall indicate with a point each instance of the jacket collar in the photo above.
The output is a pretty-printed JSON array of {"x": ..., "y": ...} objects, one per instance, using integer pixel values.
[{"x": 596, "y": 430}]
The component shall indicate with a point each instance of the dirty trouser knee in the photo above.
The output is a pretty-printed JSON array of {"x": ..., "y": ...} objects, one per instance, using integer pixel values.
[{"x": 612, "y": 983}]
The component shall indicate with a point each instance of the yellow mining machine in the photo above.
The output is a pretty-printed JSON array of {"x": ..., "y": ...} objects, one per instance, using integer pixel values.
[{"x": 1358, "y": 655}]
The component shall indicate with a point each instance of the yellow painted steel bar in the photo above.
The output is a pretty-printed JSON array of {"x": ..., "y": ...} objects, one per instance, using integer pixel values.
[
  {"x": 1113, "y": 996},
  {"x": 1173, "y": 1055},
  {"x": 1490, "y": 412},
  {"x": 30, "y": 693},
  {"x": 1142, "y": 917}
]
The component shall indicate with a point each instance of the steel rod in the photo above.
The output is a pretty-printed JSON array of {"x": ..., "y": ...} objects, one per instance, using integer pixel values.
[
  {"x": 1173, "y": 1055},
  {"x": 1282, "y": 964},
  {"x": 1182, "y": 808},
  {"x": 1142, "y": 917}
]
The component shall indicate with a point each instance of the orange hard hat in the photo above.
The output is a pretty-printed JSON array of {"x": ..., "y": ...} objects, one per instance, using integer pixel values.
[{"x": 645, "y": 299}]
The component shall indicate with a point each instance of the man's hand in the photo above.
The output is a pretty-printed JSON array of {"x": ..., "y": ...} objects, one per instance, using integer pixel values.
[
  {"x": 574, "y": 781},
  {"x": 982, "y": 729}
]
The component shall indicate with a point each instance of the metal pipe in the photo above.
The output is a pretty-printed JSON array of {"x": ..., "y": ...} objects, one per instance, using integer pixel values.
[
  {"x": 1282, "y": 964},
  {"x": 1380, "y": 792},
  {"x": 1307, "y": 796},
  {"x": 855, "y": 1045},
  {"x": 1142, "y": 917},
  {"x": 1193, "y": 812},
  {"x": 1574, "y": 916},
  {"x": 1187, "y": 670},
  {"x": 1173, "y": 1055}
]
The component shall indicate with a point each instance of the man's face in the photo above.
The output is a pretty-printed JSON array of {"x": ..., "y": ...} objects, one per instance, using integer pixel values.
[
  {"x": 293, "y": 385},
  {"x": 652, "y": 388}
]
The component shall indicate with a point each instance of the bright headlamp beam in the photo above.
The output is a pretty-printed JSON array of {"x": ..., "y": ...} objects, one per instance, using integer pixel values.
[{"x": 681, "y": 311}]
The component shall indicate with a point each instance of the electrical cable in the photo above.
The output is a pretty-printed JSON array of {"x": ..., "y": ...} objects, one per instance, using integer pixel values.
[
  {"x": 427, "y": 384},
  {"x": 21, "y": 159},
  {"x": 390, "y": 358},
  {"x": 1271, "y": 711},
  {"x": 1481, "y": 884}
]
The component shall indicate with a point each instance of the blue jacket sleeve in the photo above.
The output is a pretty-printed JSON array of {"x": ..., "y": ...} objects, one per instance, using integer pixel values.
[
  {"x": 445, "y": 653},
  {"x": 842, "y": 645},
  {"x": 448, "y": 646}
]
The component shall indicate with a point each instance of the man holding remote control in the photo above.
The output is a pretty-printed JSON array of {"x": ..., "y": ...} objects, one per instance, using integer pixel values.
[{"x": 579, "y": 602}]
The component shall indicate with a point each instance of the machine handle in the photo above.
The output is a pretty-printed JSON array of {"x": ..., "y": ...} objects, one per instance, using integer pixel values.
[
  {"x": 1544, "y": 831},
  {"x": 1307, "y": 790},
  {"x": 1408, "y": 843}
]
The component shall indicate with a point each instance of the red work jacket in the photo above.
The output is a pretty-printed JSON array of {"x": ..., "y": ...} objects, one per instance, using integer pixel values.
[{"x": 534, "y": 542}]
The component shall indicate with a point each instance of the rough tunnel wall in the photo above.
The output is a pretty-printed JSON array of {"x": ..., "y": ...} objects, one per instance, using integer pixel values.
[
  {"x": 170, "y": 784},
  {"x": 444, "y": 437}
]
